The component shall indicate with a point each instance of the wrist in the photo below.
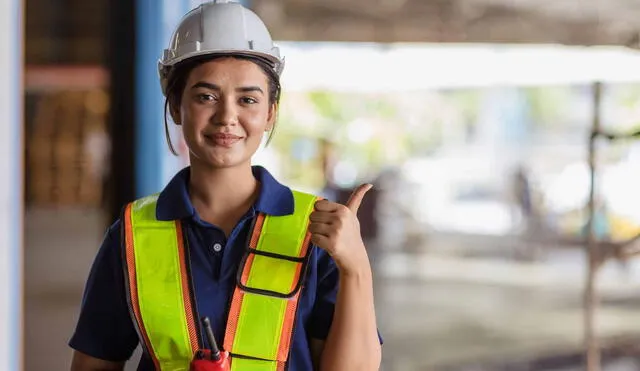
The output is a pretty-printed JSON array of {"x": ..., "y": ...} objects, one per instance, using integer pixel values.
[{"x": 358, "y": 268}]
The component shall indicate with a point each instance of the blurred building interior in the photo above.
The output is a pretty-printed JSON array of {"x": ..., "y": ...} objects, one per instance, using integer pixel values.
[{"x": 472, "y": 118}]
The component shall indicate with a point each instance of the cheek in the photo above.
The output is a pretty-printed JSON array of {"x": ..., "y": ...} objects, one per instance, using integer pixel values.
[
  {"x": 256, "y": 122},
  {"x": 255, "y": 131},
  {"x": 190, "y": 126},
  {"x": 194, "y": 116}
]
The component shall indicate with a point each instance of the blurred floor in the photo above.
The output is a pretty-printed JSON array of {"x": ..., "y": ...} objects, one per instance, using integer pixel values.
[
  {"x": 59, "y": 249},
  {"x": 436, "y": 311}
]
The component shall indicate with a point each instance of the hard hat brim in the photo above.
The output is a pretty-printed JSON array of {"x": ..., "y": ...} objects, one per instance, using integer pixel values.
[{"x": 165, "y": 68}]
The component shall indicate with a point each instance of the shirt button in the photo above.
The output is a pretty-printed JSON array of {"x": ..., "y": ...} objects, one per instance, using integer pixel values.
[{"x": 217, "y": 247}]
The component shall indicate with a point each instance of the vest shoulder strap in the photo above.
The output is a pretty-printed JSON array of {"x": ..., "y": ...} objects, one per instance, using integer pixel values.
[
  {"x": 144, "y": 209},
  {"x": 156, "y": 271},
  {"x": 265, "y": 300}
]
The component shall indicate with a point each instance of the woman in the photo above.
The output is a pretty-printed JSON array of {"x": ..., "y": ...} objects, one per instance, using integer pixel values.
[{"x": 184, "y": 252}]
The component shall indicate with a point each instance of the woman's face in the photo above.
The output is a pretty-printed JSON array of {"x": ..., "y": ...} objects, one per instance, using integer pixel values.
[{"x": 225, "y": 111}]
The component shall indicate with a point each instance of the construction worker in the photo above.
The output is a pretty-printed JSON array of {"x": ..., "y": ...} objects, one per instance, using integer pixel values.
[{"x": 283, "y": 276}]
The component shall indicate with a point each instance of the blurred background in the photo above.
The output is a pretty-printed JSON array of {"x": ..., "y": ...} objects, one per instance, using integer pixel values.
[{"x": 472, "y": 118}]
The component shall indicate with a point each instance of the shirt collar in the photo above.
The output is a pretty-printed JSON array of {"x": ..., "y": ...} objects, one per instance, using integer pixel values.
[{"x": 174, "y": 202}]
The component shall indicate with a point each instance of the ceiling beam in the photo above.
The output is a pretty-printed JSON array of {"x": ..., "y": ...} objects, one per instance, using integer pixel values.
[{"x": 431, "y": 21}]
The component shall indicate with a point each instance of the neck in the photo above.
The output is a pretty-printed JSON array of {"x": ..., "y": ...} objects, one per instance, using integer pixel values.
[{"x": 218, "y": 192}]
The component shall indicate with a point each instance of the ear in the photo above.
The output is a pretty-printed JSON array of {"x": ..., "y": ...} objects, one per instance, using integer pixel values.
[
  {"x": 174, "y": 111},
  {"x": 272, "y": 116}
]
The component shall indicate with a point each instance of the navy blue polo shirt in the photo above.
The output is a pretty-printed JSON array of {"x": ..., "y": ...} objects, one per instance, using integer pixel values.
[{"x": 105, "y": 329}]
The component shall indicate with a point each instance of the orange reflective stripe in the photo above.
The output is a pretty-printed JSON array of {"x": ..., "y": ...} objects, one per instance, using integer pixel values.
[
  {"x": 238, "y": 294},
  {"x": 133, "y": 285},
  {"x": 186, "y": 292},
  {"x": 292, "y": 306}
]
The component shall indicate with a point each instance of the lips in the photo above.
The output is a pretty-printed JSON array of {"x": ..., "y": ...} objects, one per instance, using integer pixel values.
[{"x": 222, "y": 139}]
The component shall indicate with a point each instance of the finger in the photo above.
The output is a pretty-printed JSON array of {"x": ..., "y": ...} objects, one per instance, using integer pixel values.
[
  {"x": 356, "y": 197},
  {"x": 321, "y": 241},
  {"x": 327, "y": 206},
  {"x": 321, "y": 229},
  {"x": 321, "y": 217}
]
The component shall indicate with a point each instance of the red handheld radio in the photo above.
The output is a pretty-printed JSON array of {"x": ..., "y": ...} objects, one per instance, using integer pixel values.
[{"x": 210, "y": 359}]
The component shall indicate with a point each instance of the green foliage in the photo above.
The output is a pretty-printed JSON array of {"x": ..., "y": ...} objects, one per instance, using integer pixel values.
[
  {"x": 548, "y": 104},
  {"x": 328, "y": 105}
]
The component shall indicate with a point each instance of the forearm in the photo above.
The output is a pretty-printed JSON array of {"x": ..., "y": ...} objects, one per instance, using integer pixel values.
[{"x": 353, "y": 342}]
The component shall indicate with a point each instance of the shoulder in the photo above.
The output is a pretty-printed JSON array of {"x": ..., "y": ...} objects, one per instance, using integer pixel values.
[
  {"x": 142, "y": 202},
  {"x": 302, "y": 193},
  {"x": 113, "y": 232},
  {"x": 145, "y": 208},
  {"x": 301, "y": 198},
  {"x": 109, "y": 252}
]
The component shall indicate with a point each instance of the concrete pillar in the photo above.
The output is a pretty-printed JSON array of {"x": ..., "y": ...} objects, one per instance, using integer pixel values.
[{"x": 11, "y": 166}]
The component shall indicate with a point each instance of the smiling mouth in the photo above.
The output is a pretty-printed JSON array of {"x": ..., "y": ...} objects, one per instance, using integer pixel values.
[{"x": 223, "y": 140}]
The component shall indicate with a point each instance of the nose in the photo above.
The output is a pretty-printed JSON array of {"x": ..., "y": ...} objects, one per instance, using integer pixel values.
[{"x": 226, "y": 113}]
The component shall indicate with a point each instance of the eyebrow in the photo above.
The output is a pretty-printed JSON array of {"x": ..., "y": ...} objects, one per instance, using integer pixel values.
[{"x": 210, "y": 86}]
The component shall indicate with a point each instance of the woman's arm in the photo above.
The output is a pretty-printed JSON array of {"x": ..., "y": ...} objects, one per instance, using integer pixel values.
[
  {"x": 104, "y": 337},
  {"x": 352, "y": 343}
]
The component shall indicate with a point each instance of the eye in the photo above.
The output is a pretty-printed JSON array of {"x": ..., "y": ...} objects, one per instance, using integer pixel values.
[
  {"x": 248, "y": 100},
  {"x": 204, "y": 98}
]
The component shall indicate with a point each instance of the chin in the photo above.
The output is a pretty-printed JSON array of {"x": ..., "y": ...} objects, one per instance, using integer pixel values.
[
  {"x": 225, "y": 163},
  {"x": 223, "y": 159},
  {"x": 218, "y": 165}
]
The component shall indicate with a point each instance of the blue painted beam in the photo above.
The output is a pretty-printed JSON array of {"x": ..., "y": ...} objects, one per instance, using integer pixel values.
[
  {"x": 148, "y": 118},
  {"x": 155, "y": 22}
]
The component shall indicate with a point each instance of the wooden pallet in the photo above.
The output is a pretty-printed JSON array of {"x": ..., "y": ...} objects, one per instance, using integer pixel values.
[{"x": 64, "y": 165}]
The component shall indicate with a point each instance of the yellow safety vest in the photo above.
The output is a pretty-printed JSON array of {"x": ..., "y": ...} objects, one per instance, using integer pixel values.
[{"x": 263, "y": 309}]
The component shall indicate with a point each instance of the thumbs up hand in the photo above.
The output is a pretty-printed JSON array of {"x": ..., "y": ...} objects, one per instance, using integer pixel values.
[{"x": 335, "y": 228}]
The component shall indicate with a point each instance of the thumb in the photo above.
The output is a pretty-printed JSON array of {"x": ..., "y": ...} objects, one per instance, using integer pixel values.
[{"x": 356, "y": 197}]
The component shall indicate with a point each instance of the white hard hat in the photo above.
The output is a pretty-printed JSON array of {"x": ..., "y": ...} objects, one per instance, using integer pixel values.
[{"x": 219, "y": 27}]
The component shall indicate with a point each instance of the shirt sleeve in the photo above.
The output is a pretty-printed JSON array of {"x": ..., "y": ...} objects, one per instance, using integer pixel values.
[
  {"x": 104, "y": 329},
  {"x": 326, "y": 293}
]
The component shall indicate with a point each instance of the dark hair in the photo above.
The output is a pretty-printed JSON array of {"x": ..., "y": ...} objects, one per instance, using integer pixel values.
[{"x": 179, "y": 74}]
